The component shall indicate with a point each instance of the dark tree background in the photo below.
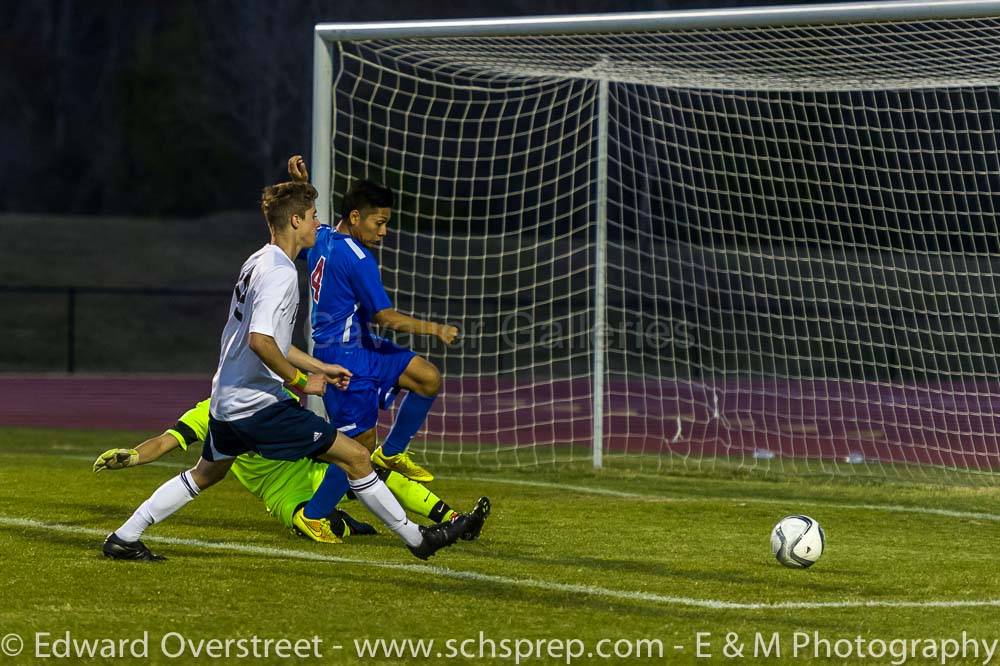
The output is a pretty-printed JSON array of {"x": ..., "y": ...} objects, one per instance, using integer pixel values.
[{"x": 183, "y": 107}]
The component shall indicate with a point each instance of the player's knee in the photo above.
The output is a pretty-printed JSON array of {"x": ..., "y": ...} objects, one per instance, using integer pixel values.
[
  {"x": 430, "y": 380},
  {"x": 367, "y": 439},
  {"x": 422, "y": 377},
  {"x": 206, "y": 476},
  {"x": 357, "y": 462}
]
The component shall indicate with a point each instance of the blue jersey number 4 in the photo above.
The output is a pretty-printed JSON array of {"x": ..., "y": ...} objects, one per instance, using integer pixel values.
[{"x": 316, "y": 279}]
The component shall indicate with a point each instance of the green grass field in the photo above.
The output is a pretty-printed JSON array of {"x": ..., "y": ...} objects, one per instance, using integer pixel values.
[{"x": 569, "y": 554}]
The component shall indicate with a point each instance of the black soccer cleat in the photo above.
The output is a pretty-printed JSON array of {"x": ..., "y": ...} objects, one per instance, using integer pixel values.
[
  {"x": 117, "y": 549},
  {"x": 474, "y": 525},
  {"x": 439, "y": 536},
  {"x": 354, "y": 526}
]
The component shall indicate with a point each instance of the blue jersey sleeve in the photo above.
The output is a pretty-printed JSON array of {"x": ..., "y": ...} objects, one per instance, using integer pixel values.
[{"x": 367, "y": 285}]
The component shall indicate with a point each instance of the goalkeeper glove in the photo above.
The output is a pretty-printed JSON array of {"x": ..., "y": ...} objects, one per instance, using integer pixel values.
[{"x": 116, "y": 459}]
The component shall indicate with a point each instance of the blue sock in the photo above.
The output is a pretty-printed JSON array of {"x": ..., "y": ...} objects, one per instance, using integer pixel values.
[
  {"x": 328, "y": 495},
  {"x": 410, "y": 417}
]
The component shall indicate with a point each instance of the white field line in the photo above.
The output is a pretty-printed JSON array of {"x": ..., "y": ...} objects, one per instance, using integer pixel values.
[
  {"x": 609, "y": 492},
  {"x": 547, "y": 586}
]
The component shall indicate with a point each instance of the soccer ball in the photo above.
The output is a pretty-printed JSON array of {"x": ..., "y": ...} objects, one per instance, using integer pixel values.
[{"x": 797, "y": 541}]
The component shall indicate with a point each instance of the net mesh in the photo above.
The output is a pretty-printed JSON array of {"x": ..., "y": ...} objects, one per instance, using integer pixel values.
[{"x": 801, "y": 241}]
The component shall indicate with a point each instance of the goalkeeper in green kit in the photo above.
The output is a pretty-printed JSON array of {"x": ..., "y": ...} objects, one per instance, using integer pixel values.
[{"x": 283, "y": 486}]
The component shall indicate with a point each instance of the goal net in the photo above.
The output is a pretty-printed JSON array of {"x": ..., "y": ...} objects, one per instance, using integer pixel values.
[{"x": 670, "y": 241}]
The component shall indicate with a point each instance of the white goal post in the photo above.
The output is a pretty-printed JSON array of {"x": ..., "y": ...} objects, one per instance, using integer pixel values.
[{"x": 757, "y": 238}]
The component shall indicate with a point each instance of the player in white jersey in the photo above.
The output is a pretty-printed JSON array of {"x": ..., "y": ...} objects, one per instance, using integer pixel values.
[{"x": 249, "y": 409}]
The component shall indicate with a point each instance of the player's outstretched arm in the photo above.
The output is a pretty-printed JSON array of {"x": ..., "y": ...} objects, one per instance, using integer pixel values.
[
  {"x": 401, "y": 323},
  {"x": 269, "y": 353},
  {"x": 149, "y": 451},
  {"x": 314, "y": 384},
  {"x": 304, "y": 361},
  {"x": 337, "y": 375}
]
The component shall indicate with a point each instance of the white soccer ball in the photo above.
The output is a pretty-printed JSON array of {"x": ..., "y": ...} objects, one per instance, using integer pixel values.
[{"x": 797, "y": 541}]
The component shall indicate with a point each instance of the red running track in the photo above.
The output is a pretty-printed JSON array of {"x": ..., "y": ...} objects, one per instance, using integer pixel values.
[
  {"x": 125, "y": 402},
  {"x": 952, "y": 424}
]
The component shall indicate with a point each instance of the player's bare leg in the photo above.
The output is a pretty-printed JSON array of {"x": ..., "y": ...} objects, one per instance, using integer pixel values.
[{"x": 422, "y": 377}]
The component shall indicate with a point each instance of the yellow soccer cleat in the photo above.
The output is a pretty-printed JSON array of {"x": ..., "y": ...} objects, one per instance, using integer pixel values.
[
  {"x": 402, "y": 463},
  {"x": 317, "y": 530}
]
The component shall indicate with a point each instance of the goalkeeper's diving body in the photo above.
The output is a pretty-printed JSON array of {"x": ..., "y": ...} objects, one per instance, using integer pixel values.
[
  {"x": 250, "y": 411},
  {"x": 286, "y": 487}
]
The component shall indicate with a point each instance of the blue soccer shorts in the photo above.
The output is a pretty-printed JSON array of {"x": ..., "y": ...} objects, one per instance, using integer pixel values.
[{"x": 376, "y": 364}]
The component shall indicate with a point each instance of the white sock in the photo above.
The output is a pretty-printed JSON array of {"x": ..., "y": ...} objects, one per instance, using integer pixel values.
[
  {"x": 377, "y": 499},
  {"x": 164, "y": 502}
]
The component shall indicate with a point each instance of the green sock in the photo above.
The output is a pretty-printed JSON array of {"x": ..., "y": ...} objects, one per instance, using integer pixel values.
[{"x": 417, "y": 498}]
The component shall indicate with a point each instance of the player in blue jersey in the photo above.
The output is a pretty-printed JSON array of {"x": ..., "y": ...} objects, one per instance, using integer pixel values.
[{"x": 347, "y": 298}]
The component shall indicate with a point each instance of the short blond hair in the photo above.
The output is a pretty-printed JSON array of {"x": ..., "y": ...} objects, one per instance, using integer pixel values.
[{"x": 279, "y": 202}]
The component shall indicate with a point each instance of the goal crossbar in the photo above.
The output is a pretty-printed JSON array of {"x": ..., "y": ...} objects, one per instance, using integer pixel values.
[{"x": 745, "y": 17}]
